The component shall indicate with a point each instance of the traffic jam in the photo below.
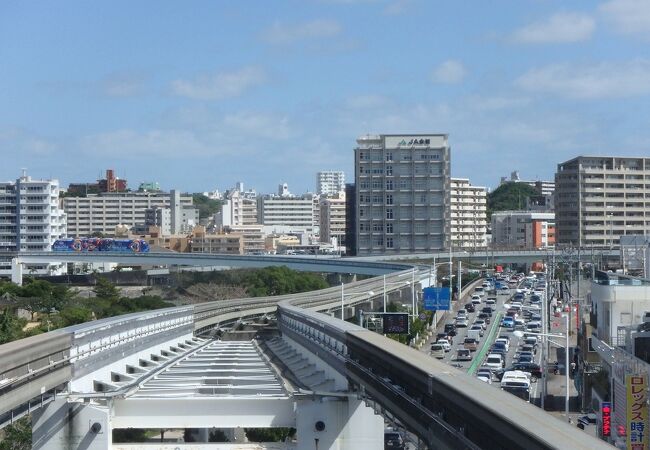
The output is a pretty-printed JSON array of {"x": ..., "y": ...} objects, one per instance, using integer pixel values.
[{"x": 494, "y": 333}]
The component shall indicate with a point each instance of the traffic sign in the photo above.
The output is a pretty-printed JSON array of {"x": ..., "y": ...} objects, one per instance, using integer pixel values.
[
  {"x": 436, "y": 298},
  {"x": 423, "y": 316}
]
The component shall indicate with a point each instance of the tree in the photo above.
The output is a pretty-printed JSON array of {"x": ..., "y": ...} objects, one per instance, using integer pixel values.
[
  {"x": 269, "y": 434},
  {"x": 509, "y": 196},
  {"x": 11, "y": 327},
  {"x": 106, "y": 290},
  {"x": 207, "y": 207},
  {"x": 18, "y": 436}
]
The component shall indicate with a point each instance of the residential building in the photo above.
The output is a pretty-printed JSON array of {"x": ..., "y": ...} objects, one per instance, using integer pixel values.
[
  {"x": 330, "y": 182},
  {"x": 161, "y": 217},
  {"x": 286, "y": 210},
  {"x": 635, "y": 255},
  {"x": 541, "y": 186},
  {"x": 600, "y": 198},
  {"x": 252, "y": 237},
  {"x": 523, "y": 229},
  {"x": 468, "y": 215},
  {"x": 332, "y": 220},
  {"x": 230, "y": 243},
  {"x": 109, "y": 184},
  {"x": 236, "y": 210},
  {"x": 102, "y": 213},
  {"x": 30, "y": 220},
  {"x": 402, "y": 194}
]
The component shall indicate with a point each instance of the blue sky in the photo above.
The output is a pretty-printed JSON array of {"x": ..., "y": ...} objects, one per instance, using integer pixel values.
[{"x": 200, "y": 95}]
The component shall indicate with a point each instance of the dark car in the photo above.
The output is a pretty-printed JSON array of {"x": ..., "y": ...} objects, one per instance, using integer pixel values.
[
  {"x": 533, "y": 369},
  {"x": 487, "y": 310},
  {"x": 529, "y": 348},
  {"x": 393, "y": 441},
  {"x": 449, "y": 327},
  {"x": 470, "y": 307},
  {"x": 484, "y": 317}
]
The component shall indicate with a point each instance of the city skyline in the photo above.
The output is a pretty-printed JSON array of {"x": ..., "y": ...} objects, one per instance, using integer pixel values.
[{"x": 218, "y": 89}]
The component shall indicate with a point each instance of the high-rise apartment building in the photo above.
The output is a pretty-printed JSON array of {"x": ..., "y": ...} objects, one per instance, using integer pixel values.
[
  {"x": 332, "y": 219},
  {"x": 103, "y": 212},
  {"x": 468, "y": 215},
  {"x": 30, "y": 220},
  {"x": 402, "y": 193},
  {"x": 600, "y": 198},
  {"x": 237, "y": 209},
  {"x": 330, "y": 182}
]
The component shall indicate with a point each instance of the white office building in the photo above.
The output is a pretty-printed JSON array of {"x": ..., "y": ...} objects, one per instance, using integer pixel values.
[
  {"x": 286, "y": 211},
  {"x": 30, "y": 220},
  {"x": 330, "y": 182},
  {"x": 522, "y": 230},
  {"x": 402, "y": 194},
  {"x": 103, "y": 212},
  {"x": 468, "y": 215}
]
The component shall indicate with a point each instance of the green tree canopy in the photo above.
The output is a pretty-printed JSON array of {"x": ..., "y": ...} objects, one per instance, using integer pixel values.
[
  {"x": 207, "y": 207},
  {"x": 508, "y": 197}
]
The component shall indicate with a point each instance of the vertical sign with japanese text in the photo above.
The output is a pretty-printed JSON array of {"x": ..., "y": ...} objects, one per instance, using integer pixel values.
[
  {"x": 606, "y": 412},
  {"x": 637, "y": 412}
]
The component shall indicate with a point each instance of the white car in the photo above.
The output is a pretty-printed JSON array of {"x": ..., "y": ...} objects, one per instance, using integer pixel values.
[
  {"x": 445, "y": 344},
  {"x": 494, "y": 361},
  {"x": 484, "y": 379},
  {"x": 476, "y": 299}
]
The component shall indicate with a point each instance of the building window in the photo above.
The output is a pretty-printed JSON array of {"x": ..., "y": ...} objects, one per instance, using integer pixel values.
[
  {"x": 389, "y": 213},
  {"x": 389, "y": 227},
  {"x": 389, "y": 185},
  {"x": 378, "y": 240},
  {"x": 377, "y": 226},
  {"x": 376, "y": 184},
  {"x": 389, "y": 199},
  {"x": 389, "y": 170},
  {"x": 389, "y": 242},
  {"x": 389, "y": 156},
  {"x": 362, "y": 212}
]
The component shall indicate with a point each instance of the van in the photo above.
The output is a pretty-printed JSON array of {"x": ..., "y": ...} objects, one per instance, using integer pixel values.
[
  {"x": 474, "y": 334},
  {"x": 470, "y": 344},
  {"x": 437, "y": 351},
  {"x": 462, "y": 354}
]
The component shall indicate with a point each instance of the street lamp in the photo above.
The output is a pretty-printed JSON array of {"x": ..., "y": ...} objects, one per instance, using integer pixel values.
[
  {"x": 404, "y": 283},
  {"x": 343, "y": 295},
  {"x": 566, "y": 358}
]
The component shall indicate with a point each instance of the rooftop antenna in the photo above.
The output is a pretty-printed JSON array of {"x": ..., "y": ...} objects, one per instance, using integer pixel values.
[{"x": 23, "y": 172}]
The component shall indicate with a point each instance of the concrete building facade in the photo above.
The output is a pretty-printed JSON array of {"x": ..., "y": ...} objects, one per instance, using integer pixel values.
[
  {"x": 600, "y": 198},
  {"x": 522, "y": 229},
  {"x": 330, "y": 182},
  {"x": 287, "y": 211},
  {"x": 332, "y": 219},
  {"x": 30, "y": 220},
  {"x": 402, "y": 194},
  {"x": 468, "y": 215},
  {"x": 103, "y": 212}
]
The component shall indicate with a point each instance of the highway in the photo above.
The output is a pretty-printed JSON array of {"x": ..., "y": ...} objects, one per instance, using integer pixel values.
[{"x": 445, "y": 408}]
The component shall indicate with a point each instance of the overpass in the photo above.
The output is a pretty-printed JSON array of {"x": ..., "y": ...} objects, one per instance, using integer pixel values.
[{"x": 79, "y": 381}]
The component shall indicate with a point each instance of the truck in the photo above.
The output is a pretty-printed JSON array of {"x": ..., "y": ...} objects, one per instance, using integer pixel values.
[{"x": 474, "y": 334}]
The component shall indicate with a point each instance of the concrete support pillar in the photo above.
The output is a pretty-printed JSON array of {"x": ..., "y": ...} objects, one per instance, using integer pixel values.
[
  {"x": 71, "y": 426},
  {"x": 338, "y": 424},
  {"x": 16, "y": 272}
]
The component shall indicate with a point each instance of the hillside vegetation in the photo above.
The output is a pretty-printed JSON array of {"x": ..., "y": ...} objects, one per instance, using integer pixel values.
[{"x": 508, "y": 197}]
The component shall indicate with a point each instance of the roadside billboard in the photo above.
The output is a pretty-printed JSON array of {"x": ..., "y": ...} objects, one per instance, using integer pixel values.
[{"x": 637, "y": 412}]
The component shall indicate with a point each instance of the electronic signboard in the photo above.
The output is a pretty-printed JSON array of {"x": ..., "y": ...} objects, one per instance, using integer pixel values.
[{"x": 397, "y": 323}]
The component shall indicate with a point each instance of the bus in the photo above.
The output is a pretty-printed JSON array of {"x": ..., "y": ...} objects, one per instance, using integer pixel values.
[{"x": 518, "y": 383}]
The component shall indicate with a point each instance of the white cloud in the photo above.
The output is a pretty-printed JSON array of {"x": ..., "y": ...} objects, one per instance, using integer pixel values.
[
  {"x": 15, "y": 141},
  {"x": 366, "y": 101},
  {"x": 628, "y": 16},
  {"x": 559, "y": 28},
  {"x": 281, "y": 33},
  {"x": 604, "y": 80},
  {"x": 260, "y": 125},
  {"x": 122, "y": 85},
  {"x": 221, "y": 85},
  {"x": 156, "y": 143},
  {"x": 450, "y": 71}
]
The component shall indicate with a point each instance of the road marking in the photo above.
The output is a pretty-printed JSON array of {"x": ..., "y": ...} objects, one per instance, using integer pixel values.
[{"x": 478, "y": 358}]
